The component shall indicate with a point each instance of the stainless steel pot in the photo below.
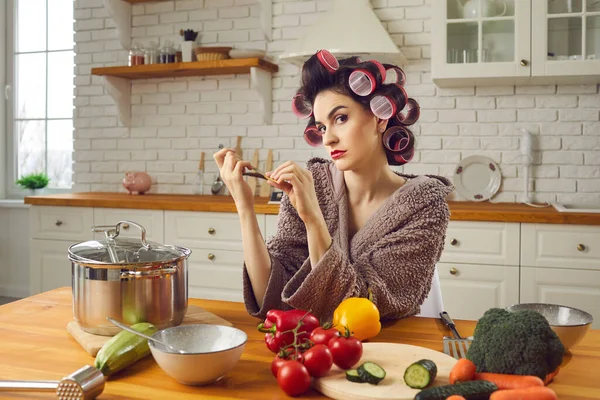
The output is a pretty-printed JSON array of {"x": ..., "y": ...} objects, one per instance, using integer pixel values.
[{"x": 130, "y": 280}]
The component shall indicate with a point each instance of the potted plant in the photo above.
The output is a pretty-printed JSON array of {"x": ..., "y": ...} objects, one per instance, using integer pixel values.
[{"x": 35, "y": 182}]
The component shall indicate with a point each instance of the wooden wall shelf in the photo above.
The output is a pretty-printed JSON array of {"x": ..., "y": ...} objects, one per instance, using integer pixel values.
[
  {"x": 198, "y": 68},
  {"x": 118, "y": 79}
]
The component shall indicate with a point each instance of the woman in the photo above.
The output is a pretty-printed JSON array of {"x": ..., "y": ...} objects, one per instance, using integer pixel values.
[{"x": 350, "y": 224}]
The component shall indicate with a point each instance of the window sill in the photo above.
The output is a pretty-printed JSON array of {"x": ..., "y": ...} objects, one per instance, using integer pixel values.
[{"x": 13, "y": 204}]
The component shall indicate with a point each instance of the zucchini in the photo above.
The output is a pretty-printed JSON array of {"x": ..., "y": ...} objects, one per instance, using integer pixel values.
[
  {"x": 124, "y": 349},
  {"x": 420, "y": 374},
  {"x": 352, "y": 376},
  {"x": 371, "y": 372},
  {"x": 470, "y": 390}
]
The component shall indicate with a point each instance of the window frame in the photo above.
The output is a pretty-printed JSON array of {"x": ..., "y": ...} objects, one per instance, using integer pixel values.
[{"x": 11, "y": 190}]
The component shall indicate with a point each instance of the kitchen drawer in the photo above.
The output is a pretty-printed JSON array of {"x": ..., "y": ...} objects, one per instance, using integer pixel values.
[
  {"x": 569, "y": 287},
  {"x": 206, "y": 230},
  {"x": 470, "y": 290},
  {"x": 216, "y": 274},
  {"x": 61, "y": 223},
  {"x": 151, "y": 220},
  {"x": 561, "y": 246},
  {"x": 494, "y": 243},
  {"x": 270, "y": 225}
]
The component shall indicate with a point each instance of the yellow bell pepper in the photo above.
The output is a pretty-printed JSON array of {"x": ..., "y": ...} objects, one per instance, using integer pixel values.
[{"x": 360, "y": 315}]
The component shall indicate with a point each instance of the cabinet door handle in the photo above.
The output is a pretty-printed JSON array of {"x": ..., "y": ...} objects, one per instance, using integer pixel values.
[
  {"x": 58, "y": 222},
  {"x": 581, "y": 247},
  {"x": 524, "y": 63},
  {"x": 453, "y": 271},
  {"x": 211, "y": 256},
  {"x": 211, "y": 231},
  {"x": 125, "y": 226},
  {"x": 454, "y": 242}
]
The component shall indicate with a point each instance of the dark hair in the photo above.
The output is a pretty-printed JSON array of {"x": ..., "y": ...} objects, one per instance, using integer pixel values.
[{"x": 316, "y": 78}]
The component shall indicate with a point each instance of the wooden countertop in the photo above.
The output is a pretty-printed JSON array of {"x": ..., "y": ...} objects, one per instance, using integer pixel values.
[
  {"x": 34, "y": 345},
  {"x": 460, "y": 210}
]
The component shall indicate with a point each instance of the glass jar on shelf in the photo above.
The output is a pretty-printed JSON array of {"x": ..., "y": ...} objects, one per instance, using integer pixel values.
[
  {"x": 167, "y": 53},
  {"x": 152, "y": 55},
  {"x": 136, "y": 55}
]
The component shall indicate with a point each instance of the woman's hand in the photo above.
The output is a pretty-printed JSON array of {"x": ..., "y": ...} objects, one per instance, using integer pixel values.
[
  {"x": 231, "y": 168},
  {"x": 298, "y": 184}
]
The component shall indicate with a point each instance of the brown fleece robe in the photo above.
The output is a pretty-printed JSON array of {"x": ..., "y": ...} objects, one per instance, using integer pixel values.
[{"x": 394, "y": 254}]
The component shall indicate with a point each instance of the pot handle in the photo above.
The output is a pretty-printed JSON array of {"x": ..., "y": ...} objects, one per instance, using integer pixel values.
[
  {"x": 111, "y": 232},
  {"x": 151, "y": 272}
]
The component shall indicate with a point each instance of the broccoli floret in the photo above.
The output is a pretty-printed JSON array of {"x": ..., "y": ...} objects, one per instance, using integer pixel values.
[{"x": 520, "y": 343}]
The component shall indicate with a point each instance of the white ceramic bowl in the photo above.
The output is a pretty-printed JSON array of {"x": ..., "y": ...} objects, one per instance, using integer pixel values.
[
  {"x": 570, "y": 324},
  {"x": 212, "y": 351}
]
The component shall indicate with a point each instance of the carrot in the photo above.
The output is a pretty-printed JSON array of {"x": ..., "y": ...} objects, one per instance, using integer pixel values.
[
  {"x": 463, "y": 370},
  {"x": 509, "y": 381},
  {"x": 532, "y": 393},
  {"x": 455, "y": 397},
  {"x": 550, "y": 376}
]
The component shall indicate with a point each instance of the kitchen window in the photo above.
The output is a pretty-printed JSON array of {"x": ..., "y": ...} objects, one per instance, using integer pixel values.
[{"x": 40, "y": 72}]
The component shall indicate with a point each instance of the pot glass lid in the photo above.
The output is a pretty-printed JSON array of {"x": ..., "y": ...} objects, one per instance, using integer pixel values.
[{"x": 120, "y": 250}]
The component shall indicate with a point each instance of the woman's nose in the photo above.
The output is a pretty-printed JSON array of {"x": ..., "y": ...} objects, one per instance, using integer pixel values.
[{"x": 329, "y": 137}]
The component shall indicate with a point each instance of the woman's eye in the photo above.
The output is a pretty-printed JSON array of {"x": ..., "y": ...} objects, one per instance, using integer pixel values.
[
  {"x": 321, "y": 129},
  {"x": 341, "y": 118}
]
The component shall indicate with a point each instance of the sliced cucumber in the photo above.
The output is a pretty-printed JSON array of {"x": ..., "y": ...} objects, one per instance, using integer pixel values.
[
  {"x": 470, "y": 390},
  {"x": 371, "y": 372},
  {"x": 352, "y": 376},
  {"x": 420, "y": 374}
]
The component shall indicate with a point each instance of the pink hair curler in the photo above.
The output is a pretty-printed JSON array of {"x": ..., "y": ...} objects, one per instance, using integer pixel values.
[
  {"x": 313, "y": 136},
  {"x": 301, "y": 107},
  {"x": 410, "y": 114},
  {"x": 362, "y": 82},
  {"x": 383, "y": 107},
  {"x": 328, "y": 60},
  {"x": 395, "y": 75},
  {"x": 400, "y": 141},
  {"x": 381, "y": 69}
]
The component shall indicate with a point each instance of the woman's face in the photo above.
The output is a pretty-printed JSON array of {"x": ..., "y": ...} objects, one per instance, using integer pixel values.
[{"x": 351, "y": 134}]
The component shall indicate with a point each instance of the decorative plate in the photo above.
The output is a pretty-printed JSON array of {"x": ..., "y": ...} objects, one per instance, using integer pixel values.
[
  {"x": 246, "y": 53},
  {"x": 477, "y": 178}
]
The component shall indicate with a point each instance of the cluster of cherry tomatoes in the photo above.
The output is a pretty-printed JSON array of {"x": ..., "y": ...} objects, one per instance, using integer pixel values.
[{"x": 294, "y": 367}]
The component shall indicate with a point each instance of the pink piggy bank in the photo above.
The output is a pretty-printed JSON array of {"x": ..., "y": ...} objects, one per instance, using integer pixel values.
[{"x": 137, "y": 182}]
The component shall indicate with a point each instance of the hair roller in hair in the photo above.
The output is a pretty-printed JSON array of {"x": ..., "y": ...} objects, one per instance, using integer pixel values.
[
  {"x": 362, "y": 82},
  {"x": 383, "y": 107},
  {"x": 395, "y": 75},
  {"x": 410, "y": 114},
  {"x": 328, "y": 60},
  {"x": 301, "y": 106},
  {"x": 381, "y": 69},
  {"x": 313, "y": 136},
  {"x": 400, "y": 141}
]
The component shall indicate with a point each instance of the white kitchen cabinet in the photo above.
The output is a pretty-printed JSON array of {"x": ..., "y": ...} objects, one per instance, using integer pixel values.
[
  {"x": 560, "y": 246},
  {"x": 61, "y": 223},
  {"x": 468, "y": 290},
  {"x": 494, "y": 42},
  {"x": 216, "y": 274},
  {"x": 495, "y": 243},
  {"x": 151, "y": 220},
  {"x": 569, "y": 287},
  {"x": 50, "y": 267}
]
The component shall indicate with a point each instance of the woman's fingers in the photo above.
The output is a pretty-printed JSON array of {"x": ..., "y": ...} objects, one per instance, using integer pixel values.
[
  {"x": 290, "y": 169},
  {"x": 278, "y": 170},
  {"x": 286, "y": 187},
  {"x": 219, "y": 156},
  {"x": 240, "y": 166},
  {"x": 290, "y": 177}
]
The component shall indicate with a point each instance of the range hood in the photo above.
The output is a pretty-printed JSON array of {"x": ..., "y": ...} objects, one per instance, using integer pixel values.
[{"x": 349, "y": 27}]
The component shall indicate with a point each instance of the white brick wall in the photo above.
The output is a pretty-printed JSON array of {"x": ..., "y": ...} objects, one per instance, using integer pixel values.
[{"x": 174, "y": 119}]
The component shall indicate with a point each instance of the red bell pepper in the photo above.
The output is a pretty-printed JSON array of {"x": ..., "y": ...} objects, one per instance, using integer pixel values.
[{"x": 279, "y": 324}]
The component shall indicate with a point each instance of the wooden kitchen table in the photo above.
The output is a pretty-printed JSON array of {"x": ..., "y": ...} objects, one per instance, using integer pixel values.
[{"x": 35, "y": 345}]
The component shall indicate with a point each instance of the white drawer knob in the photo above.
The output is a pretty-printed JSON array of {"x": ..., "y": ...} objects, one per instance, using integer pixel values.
[
  {"x": 211, "y": 256},
  {"x": 211, "y": 231},
  {"x": 58, "y": 222},
  {"x": 453, "y": 271},
  {"x": 581, "y": 247},
  {"x": 454, "y": 242}
]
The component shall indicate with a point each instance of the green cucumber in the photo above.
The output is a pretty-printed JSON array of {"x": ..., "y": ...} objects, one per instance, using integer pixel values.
[
  {"x": 420, "y": 374},
  {"x": 470, "y": 390},
  {"x": 371, "y": 372},
  {"x": 124, "y": 349},
  {"x": 352, "y": 376}
]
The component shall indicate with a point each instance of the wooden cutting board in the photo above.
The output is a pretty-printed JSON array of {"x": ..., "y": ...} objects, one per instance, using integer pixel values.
[
  {"x": 93, "y": 343},
  {"x": 394, "y": 358}
]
